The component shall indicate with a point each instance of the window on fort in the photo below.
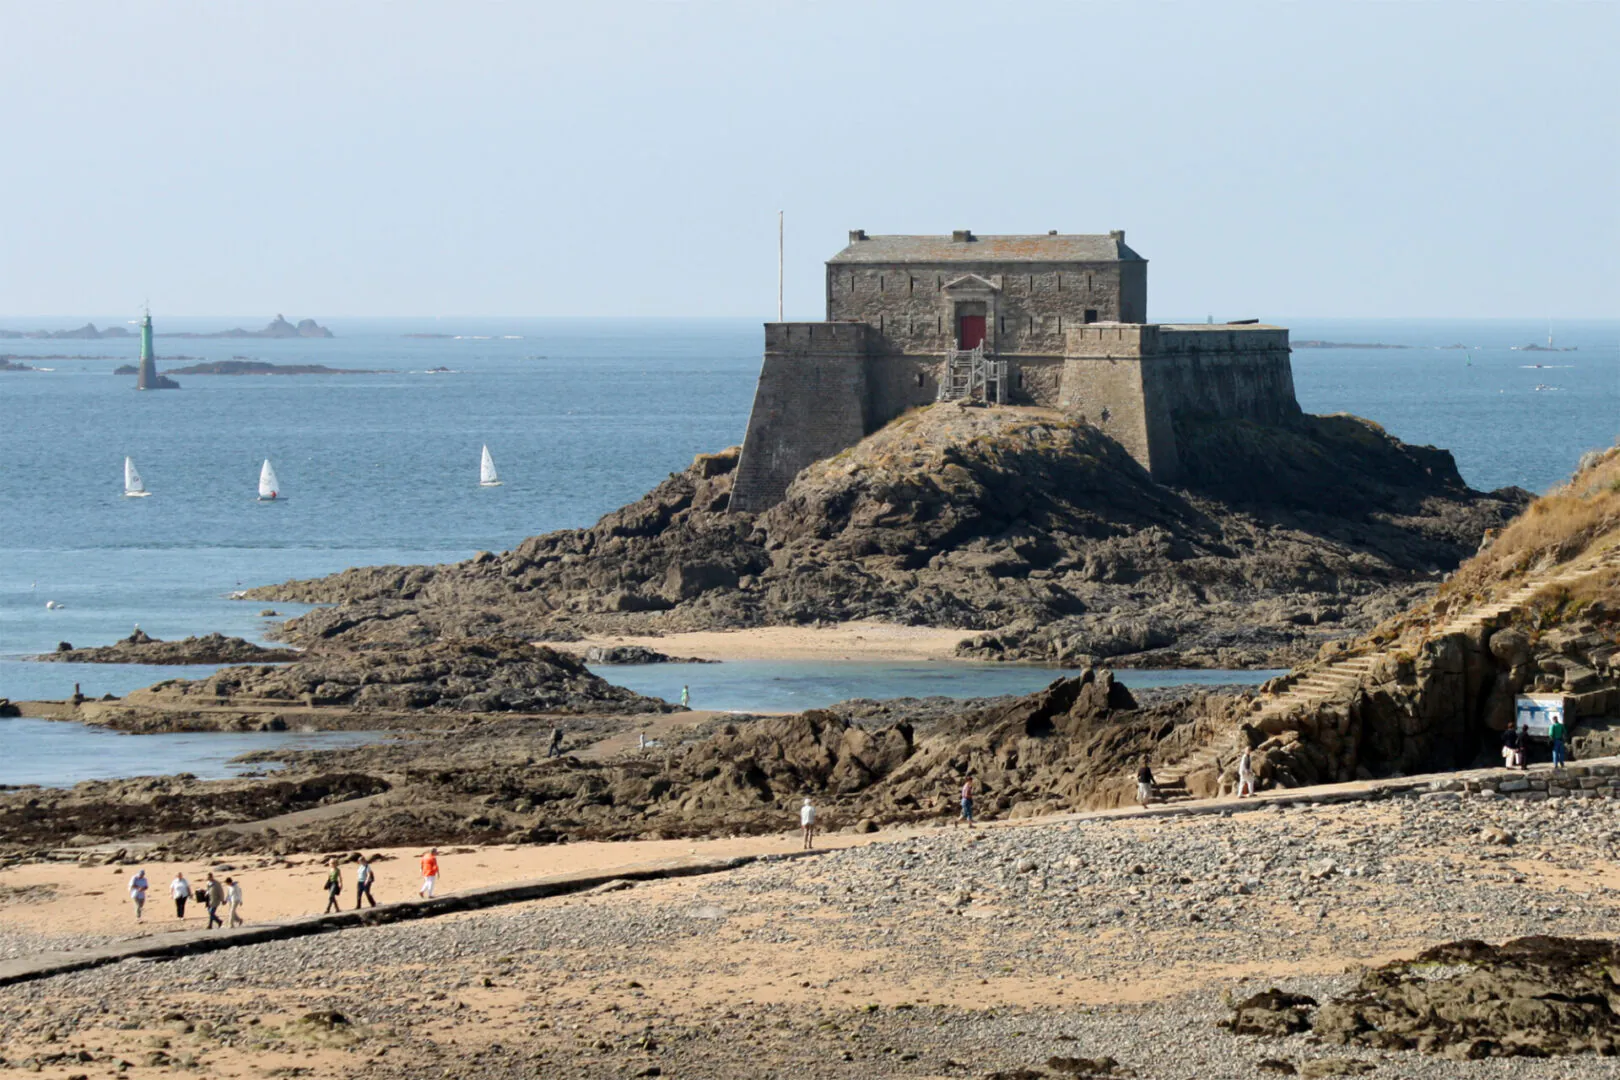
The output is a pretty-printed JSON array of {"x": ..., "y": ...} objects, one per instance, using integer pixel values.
[
  {"x": 1032, "y": 324},
  {"x": 1060, "y": 283},
  {"x": 880, "y": 283},
  {"x": 919, "y": 378},
  {"x": 1003, "y": 324},
  {"x": 1020, "y": 380},
  {"x": 911, "y": 285},
  {"x": 1091, "y": 314}
]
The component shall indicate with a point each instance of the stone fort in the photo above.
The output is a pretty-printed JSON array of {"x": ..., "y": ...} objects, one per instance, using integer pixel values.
[{"x": 1057, "y": 320}]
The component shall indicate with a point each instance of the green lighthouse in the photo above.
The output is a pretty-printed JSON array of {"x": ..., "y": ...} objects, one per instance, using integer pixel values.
[{"x": 149, "y": 379}]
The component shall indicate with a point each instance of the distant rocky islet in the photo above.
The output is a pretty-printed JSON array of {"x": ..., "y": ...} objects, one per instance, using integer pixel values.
[{"x": 278, "y": 327}]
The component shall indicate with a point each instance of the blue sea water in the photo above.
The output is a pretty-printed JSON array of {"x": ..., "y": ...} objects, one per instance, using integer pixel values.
[
  {"x": 792, "y": 686},
  {"x": 581, "y": 417}
]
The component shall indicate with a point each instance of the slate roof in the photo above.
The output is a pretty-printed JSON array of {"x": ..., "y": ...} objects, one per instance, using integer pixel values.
[{"x": 1044, "y": 248}]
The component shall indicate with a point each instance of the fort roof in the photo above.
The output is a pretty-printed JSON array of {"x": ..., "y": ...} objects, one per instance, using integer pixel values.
[{"x": 963, "y": 246}]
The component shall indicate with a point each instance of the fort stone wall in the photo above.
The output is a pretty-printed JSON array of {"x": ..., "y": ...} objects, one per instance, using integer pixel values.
[
  {"x": 912, "y": 312},
  {"x": 1131, "y": 380},
  {"x": 810, "y": 403}
]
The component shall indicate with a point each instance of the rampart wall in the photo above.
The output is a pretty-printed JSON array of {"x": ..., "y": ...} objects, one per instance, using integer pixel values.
[
  {"x": 810, "y": 403},
  {"x": 825, "y": 386}
]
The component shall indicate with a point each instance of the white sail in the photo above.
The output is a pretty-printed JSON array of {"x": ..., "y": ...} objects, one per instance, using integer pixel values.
[
  {"x": 269, "y": 486},
  {"x": 132, "y": 479},
  {"x": 487, "y": 477}
]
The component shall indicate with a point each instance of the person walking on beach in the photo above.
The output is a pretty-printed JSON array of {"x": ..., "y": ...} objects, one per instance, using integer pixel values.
[
  {"x": 364, "y": 877},
  {"x": 430, "y": 874},
  {"x": 1144, "y": 784},
  {"x": 334, "y": 889},
  {"x": 967, "y": 803},
  {"x": 1510, "y": 747},
  {"x": 807, "y": 822},
  {"x": 180, "y": 890},
  {"x": 555, "y": 749},
  {"x": 686, "y": 697},
  {"x": 213, "y": 896},
  {"x": 233, "y": 900},
  {"x": 137, "y": 892},
  {"x": 1245, "y": 774},
  {"x": 1556, "y": 734}
]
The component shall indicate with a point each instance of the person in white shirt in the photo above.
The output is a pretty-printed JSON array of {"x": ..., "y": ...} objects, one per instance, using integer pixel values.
[
  {"x": 137, "y": 892},
  {"x": 1245, "y": 774},
  {"x": 807, "y": 821},
  {"x": 180, "y": 889},
  {"x": 233, "y": 900}
]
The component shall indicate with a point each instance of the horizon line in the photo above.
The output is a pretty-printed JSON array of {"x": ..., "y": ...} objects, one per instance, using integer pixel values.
[{"x": 738, "y": 318}]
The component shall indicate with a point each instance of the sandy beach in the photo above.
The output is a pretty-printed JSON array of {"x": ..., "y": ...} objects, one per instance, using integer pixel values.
[
  {"x": 874, "y": 641},
  {"x": 50, "y": 904},
  {"x": 932, "y": 953}
]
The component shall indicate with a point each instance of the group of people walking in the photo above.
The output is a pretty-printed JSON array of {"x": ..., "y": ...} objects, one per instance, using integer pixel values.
[
  {"x": 211, "y": 893},
  {"x": 365, "y": 878},
  {"x": 214, "y": 894}
]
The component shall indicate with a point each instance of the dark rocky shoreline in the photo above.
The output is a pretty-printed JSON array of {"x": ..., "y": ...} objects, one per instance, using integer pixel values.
[{"x": 1027, "y": 524}]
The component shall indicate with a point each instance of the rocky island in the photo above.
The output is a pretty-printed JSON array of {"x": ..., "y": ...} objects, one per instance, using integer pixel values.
[
  {"x": 278, "y": 327},
  {"x": 141, "y": 648},
  {"x": 87, "y": 332},
  {"x": 243, "y": 366},
  {"x": 1021, "y": 522}
]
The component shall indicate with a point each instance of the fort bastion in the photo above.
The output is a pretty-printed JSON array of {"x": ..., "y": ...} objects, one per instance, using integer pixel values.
[{"x": 1050, "y": 320}]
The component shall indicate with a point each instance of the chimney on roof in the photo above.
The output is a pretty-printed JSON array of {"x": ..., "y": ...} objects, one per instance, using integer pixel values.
[
  {"x": 1117, "y": 234},
  {"x": 961, "y": 236},
  {"x": 857, "y": 234}
]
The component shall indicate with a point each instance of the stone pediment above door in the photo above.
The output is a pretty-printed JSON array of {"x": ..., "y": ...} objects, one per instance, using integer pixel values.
[{"x": 970, "y": 285}]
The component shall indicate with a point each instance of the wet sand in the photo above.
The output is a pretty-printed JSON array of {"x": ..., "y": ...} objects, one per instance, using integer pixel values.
[{"x": 870, "y": 641}]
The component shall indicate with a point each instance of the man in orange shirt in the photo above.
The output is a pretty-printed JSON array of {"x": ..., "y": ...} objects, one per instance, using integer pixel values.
[{"x": 430, "y": 874}]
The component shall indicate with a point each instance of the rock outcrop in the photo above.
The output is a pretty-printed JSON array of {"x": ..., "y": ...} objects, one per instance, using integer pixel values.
[
  {"x": 1072, "y": 745},
  {"x": 1537, "y": 611},
  {"x": 1023, "y": 522},
  {"x": 477, "y": 675},
  {"x": 141, "y": 648},
  {"x": 1466, "y": 1000}
]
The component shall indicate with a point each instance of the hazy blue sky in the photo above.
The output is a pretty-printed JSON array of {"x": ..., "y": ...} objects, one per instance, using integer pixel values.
[{"x": 599, "y": 158}]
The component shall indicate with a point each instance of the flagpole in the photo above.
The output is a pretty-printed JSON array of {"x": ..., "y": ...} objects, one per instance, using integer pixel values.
[{"x": 779, "y": 266}]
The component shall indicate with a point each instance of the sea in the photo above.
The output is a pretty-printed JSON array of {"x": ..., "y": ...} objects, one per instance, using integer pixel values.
[{"x": 581, "y": 416}]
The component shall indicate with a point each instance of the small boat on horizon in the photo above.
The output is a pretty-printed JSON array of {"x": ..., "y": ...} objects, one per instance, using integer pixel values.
[
  {"x": 133, "y": 487},
  {"x": 269, "y": 486},
  {"x": 487, "y": 476}
]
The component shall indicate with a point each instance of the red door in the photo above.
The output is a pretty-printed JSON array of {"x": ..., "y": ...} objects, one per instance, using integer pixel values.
[{"x": 971, "y": 334}]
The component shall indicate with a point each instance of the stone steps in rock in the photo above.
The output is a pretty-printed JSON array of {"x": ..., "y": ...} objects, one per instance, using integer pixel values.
[{"x": 1344, "y": 674}]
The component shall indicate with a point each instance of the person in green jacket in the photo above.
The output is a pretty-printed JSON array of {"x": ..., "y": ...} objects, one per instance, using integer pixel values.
[
  {"x": 1556, "y": 733},
  {"x": 334, "y": 889}
]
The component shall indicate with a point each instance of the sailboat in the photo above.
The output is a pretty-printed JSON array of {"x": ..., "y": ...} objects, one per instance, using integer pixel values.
[
  {"x": 132, "y": 481},
  {"x": 269, "y": 486},
  {"x": 487, "y": 476}
]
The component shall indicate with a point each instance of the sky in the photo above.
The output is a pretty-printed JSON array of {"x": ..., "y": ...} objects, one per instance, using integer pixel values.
[{"x": 606, "y": 158}]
